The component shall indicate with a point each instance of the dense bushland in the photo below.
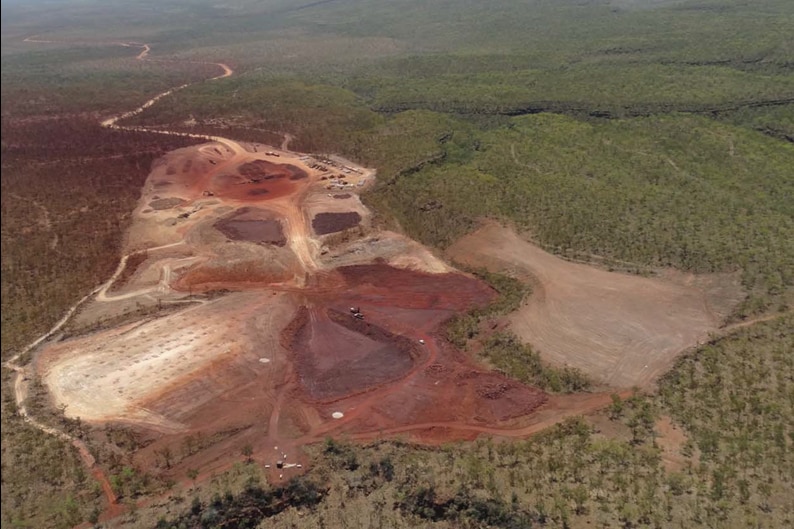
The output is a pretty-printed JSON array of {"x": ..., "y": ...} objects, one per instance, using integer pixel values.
[{"x": 68, "y": 187}]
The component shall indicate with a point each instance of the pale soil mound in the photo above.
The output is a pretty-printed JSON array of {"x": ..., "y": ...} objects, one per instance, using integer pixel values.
[
  {"x": 166, "y": 203},
  {"x": 118, "y": 374},
  {"x": 622, "y": 330},
  {"x": 392, "y": 248}
]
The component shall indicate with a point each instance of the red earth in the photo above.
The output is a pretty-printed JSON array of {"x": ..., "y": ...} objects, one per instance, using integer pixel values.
[
  {"x": 374, "y": 371},
  {"x": 249, "y": 224},
  {"x": 249, "y": 182}
]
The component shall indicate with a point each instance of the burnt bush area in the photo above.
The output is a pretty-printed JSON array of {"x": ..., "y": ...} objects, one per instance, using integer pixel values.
[
  {"x": 68, "y": 187},
  {"x": 248, "y": 509},
  {"x": 425, "y": 504}
]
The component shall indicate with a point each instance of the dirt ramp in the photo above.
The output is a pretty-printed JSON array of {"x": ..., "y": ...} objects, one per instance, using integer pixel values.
[{"x": 623, "y": 330}]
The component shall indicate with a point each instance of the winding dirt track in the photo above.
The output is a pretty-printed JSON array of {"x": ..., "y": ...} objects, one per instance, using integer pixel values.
[{"x": 21, "y": 393}]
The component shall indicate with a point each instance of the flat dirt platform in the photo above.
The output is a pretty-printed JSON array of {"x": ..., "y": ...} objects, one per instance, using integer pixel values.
[{"x": 622, "y": 329}]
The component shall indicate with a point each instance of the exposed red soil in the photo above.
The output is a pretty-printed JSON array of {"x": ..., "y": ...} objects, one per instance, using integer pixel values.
[
  {"x": 374, "y": 371},
  {"x": 249, "y": 182},
  {"x": 325, "y": 223},
  {"x": 671, "y": 440},
  {"x": 389, "y": 287},
  {"x": 241, "y": 276},
  {"x": 437, "y": 383}
]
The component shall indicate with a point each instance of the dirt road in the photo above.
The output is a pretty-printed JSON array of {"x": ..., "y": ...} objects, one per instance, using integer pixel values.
[
  {"x": 23, "y": 374},
  {"x": 586, "y": 406},
  {"x": 163, "y": 286}
]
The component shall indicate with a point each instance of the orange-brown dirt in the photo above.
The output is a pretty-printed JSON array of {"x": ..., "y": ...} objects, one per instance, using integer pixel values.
[{"x": 672, "y": 439}]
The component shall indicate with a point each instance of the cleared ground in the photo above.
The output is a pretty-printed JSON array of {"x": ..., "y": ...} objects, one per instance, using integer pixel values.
[
  {"x": 258, "y": 345},
  {"x": 622, "y": 329},
  {"x": 119, "y": 373}
]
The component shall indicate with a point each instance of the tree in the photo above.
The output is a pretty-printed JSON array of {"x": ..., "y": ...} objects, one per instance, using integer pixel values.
[
  {"x": 641, "y": 421},
  {"x": 247, "y": 451},
  {"x": 580, "y": 496},
  {"x": 616, "y": 408},
  {"x": 193, "y": 473},
  {"x": 167, "y": 456}
]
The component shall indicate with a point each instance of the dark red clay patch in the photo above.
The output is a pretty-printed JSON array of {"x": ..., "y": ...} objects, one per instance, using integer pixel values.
[
  {"x": 337, "y": 355},
  {"x": 256, "y": 231},
  {"x": 263, "y": 170},
  {"x": 325, "y": 223}
]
